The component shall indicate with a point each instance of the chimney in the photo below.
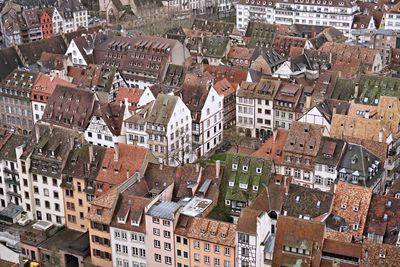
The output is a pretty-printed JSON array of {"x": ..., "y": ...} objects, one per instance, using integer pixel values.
[
  {"x": 217, "y": 168},
  {"x": 51, "y": 129},
  {"x": 308, "y": 102},
  {"x": 380, "y": 136},
  {"x": 161, "y": 164},
  {"x": 286, "y": 185},
  {"x": 334, "y": 110},
  {"x": 37, "y": 132},
  {"x": 274, "y": 134},
  {"x": 126, "y": 111},
  {"x": 90, "y": 153},
  {"x": 197, "y": 167},
  {"x": 116, "y": 152},
  {"x": 366, "y": 114},
  {"x": 127, "y": 174},
  {"x": 330, "y": 58},
  {"x": 356, "y": 91}
]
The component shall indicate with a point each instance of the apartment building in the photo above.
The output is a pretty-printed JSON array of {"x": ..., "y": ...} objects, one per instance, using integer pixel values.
[
  {"x": 206, "y": 107},
  {"x": 211, "y": 242},
  {"x": 286, "y": 103},
  {"x": 40, "y": 169},
  {"x": 10, "y": 183},
  {"x": 300, "y": 151},
  {"x": 46, "y": 23},
  {"x": 261, "y": 96},
  {"x": 152, "y": 56},
  {"x": 42, "y": 90},
  {"x": 128, "y": 231},
  {"x": 327, "y": 162},
  {"x": 15, "y": 105},
  {"x": 33, "y": 24},
  {"x": 68, "y": 16},
  {"x": 391, "y": 18},
  {"x": 228, "y": 91},
  {"x": 161, "y": 219},
  {"x": 182, "y": 245},
  {"x": 135, "y": 126},
  {"x": 79, "y": 172},
  {"x": 336, "y": 13},
  {"x": 107, "y": 127}
]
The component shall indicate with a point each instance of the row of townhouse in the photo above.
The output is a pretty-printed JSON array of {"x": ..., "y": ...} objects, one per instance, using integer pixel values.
[
  {"x": 20, "y": 24},
  {"x": 336, "y": 13}
]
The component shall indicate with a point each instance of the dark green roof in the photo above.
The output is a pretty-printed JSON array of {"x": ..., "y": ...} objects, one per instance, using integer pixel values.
[
  {"x": 344, "y": 89},
  {"x": 372, "y": 87},
  {"x": 215, "y": 46}
]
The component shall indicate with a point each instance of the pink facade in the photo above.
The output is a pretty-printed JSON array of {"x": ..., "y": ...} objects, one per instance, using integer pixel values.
[{"x": 30, "y": 252}]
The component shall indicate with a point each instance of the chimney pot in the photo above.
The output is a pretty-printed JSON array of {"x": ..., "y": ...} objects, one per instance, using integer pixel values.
[
  {"x": 116, "y": 152},
  {"x": 217, "y": 168}
]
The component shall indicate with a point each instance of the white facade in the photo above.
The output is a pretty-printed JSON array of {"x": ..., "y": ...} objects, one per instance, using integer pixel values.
[
  {"x": 308, "y": 12},
  {"x": 58, "y": 22},
  {"x": 136, "y": 134},
  {"x": 264, "y": 113},
  {"x": 128, "y": 248},
  {"x": 146, "y": 97},
  {"x": 391, "y": 21},
  {"x": 76, "y": 55},
  {"x": 245, "y": 117},
  {"x": 70, "y": 24},
  {"x": 10, "y": 188},
  {"x": 37, "y": 110},
  {"x": 211, "y": 123},
  {"x": 324, "y": 176},
  {"x": 314, "y": 116}
]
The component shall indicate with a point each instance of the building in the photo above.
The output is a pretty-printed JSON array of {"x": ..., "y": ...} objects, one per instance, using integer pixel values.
[
  {"x": 40, "y": 168},
  {"x": 339, "y": 14},
  {"x": 327, "y": 161},
  {"x": 298, "y": 241},
  {"x": 246, "y": 177},
  {"x": 137, "y": 98},
  {"x": 161, "y": 219},
  {"x": 286, "y": 103},
  {"x": 17, "y": 88},
  {"x": 169, "y": 130},
  {"x": 361, "y": 167},
  {"x": 70, "y": 108},
  {"x": 68, "y": 16},
  {"x": 211, "y": 242},
  {"x": 254, "y": 107},
  {"x": 135, "y": 126},
  {"x": 391, "y": 18},
  {"x": 107, "y": 127},
  {"x": 46, "y": 23},
  {"x": 79, "y": 172},
  {"x": 206, "y": 107},
  {"x": 300, "y": 152},
  {"x": 42, "y": 90},
  {"x": 10, "y": 184},
  {"x": 128, "y": 231},
  {"x": 227, "y": 90}
]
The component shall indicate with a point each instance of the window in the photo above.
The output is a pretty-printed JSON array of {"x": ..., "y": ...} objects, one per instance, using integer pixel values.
[
  {"x": 216, "y": 248},
  {"x": 196, "y": 244},
  {"x": 207, "y": 247},
  {"x": 216, "y": 262},
  {"x": 227, "y": 251},
  {"x": 166, "y": 223},
  {"x": 196, "y": 257},
  {"x": 178, "y": 239},
  {"x": 167, "y": 246},
  {"x": 156, "y": 231},
  {"x": 227, "y": 264},
  {"x": 157, "y": 257},
  {"x": 168, "y": 260},
  {"x": 157, "y": 243},
  {"x": 167, "y": 234}
]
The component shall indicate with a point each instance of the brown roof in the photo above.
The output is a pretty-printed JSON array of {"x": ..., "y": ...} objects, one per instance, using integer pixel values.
[
  {"x": 234, "y": 75},
  {"x": 340, "y": 248},
  {"x": 389, "y": 113},
  {"x": 272, "y": 147},
  {"x": 121, "y": 162},
  {"x": 264, "y": 89},
  {"x": 247, "y": 222},
  {"x": 361, "y": 21},
  {"x": 131, "y": 209},
  {"x": 224, "y": 87},
  {"x": 284, "y": 43},
  {"x": 379, "y": 255},
  {"x": 243, "y": 53},
  {"x": 52, "y": 61},
  {"x": 106, "y": 203},
  {"x": 132, "y": 94},
  {"x": 212, "y": 231},
  {"x": 70, "y": 107},
  {"x": 301, "y": 234},
  {"x": 351, "y": 202},
  {"x": 358, "y": 127},
  {"x": 113, "y": 115},
  {"x": 360, "y": 110}
]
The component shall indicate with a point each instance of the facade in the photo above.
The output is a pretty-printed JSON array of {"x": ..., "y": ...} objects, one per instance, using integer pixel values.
[
  {"x": 46, "y": 23},
  {"x": 228, "y": 91},
  {"x": 17, "y": 89},
  {"x": 41, "y": 172},
  {"x": 68, "y": 16},
  {"x": 391, "y": 18},
  {"x": 211, "y": 243},
  {"x": 326, "y": 168},
  {"x": 128, "y": 231},
  {"x": 206, "y": 107},
  {"x": 106, "y": 127},
  {"x": 79, "y": 172},
  {"x": 339, "y": 14},
  {"x": 261, "y": 96},
  {"x": 286, "y": 102},
  {"x": 160, "y": 221},
  {"x": 10, "y": 184},
  {"x": 300, "y": 151}
]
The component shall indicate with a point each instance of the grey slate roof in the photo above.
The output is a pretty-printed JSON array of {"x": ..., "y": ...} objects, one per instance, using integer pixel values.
[
  {"x": 162, "y": 109},
  {"x": 164, "y": 209}
]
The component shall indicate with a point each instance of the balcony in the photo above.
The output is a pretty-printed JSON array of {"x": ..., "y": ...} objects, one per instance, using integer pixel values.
[
  {"x": 10, "y": 171},
  {"x": 14, "y": 194},
  {"x": 11, "y": 181}
]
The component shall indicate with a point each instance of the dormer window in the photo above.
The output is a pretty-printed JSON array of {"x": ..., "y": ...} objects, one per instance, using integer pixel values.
[
  {"x": 121, "y": 220},
  {"x": 397, "y": 195},
  {"x": 382, "y": 255},
  {"x": 355, "y": 227},
  {"x": 245, "y": 168},
  {"x": 234, "y": 167},
  {"x": 203, "y": 231},
  {"x": 135, "y": 222},
  {"x": 355, "y": 209},
  {"x": 99, "y": 212},
  {"x": 255, "y": 188},
  {"x": 213, "y": 233},
  {"x": 258, "y": 170},
  {"x": 343, "y": 206}
]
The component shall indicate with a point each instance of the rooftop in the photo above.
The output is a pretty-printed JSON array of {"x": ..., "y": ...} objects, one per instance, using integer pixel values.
[{"x": 164, "y": 209}]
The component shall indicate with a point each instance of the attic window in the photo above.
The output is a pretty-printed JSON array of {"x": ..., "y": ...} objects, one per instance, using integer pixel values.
[
  {"x": 134, "y": 222},
  {"x": 355, "y": 209},
  {"x": 99, "y": 212},
  {"x": 355, "y": 227},
  {"x": 343, "y": 206},
  {"x": 234, "y": 167},
  {"x": 297, "y": 198},
  {"x": 255, "y": 188},
  {"x": 258, "y": 170},
  {"x": 245, "y": 168},
  {"x": 213, "y": 233},
  {"x": 121, "y": 220},
  {"x": 382, "y": 255},
  {"x": 397, "y": 195}
]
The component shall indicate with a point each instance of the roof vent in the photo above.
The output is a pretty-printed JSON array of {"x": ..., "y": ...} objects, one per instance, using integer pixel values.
[{"x": 298, "y": 199}]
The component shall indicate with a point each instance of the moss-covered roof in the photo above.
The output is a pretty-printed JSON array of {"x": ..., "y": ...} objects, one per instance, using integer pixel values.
[
  {"x": 344, "y": 89},
  {"x": 372, "y": 87},
  {"x": 246, "y": 173},
  {"x": 215, "y": 46},
  {"x": 261, "y": 34}
]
